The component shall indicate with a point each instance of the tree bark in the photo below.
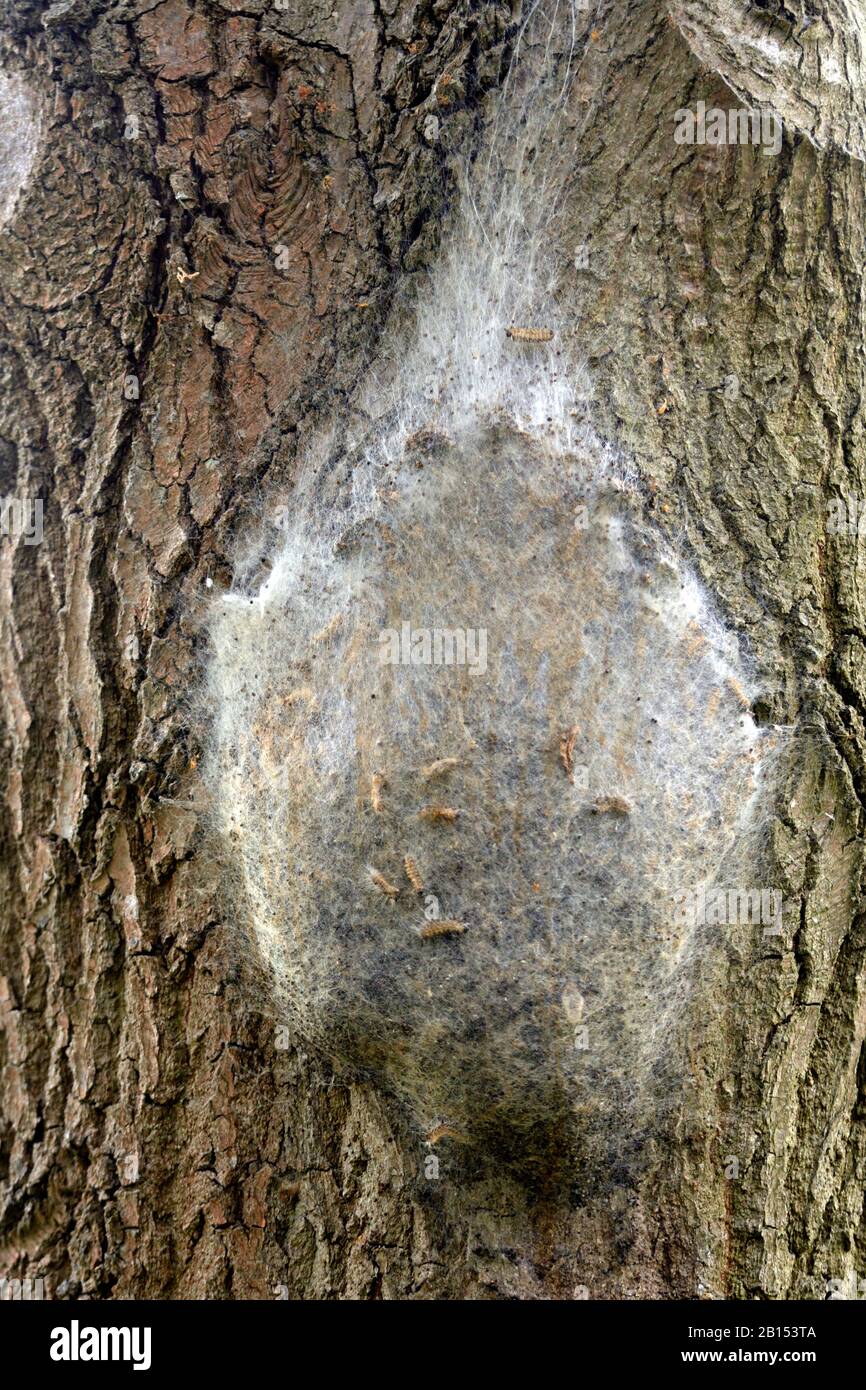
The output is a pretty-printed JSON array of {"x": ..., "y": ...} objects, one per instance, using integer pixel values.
[{"x": 160, "y": 376}]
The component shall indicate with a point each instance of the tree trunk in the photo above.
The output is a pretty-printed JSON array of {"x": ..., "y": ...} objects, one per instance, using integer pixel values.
[{"x": 210, "y": 210}]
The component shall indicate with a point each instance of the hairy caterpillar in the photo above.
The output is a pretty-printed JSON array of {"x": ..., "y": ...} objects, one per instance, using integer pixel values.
[
  {"x": 439, "y": 768},
  {"x": 428, "y": 441},
  {"x": 529, "y": 335},
  {"x": 412, "y": 874},
  {"x": 383, "y": 885},
  {"x": 443, "y": 1132},
  {"x": 617, "y": 805},
  {"x": 438, "y": 813},
  {"x": 377, "y": 782},
  {"x": 566, "y": 750},
  {"x": 327, "y": 631},
  {"x": 694, "y": 640},
  {"x": 446, "y": 928},
  {"x": 738, "y": 692}
]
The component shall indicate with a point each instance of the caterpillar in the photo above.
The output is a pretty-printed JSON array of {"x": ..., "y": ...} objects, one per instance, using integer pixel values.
[
  {"x": 439, "y": 768},
  {"x": 446, "y": 928},
  {"x": 566, "y": 750},
  {"x": 438, "y": 813},
  {"x": 442, "y": 1132},
  {"x": 428, "y": 441},
  {"x": 738, "y": 692},
  {"x": 383, "y": 885},
  {"x": 693, "y": 639},
  {"x": 377, "y": 782},
  {"x": 617, "y": 805},
  {"x": 327, "y": 631},
  {"x": 412, "y": 874},
  {"x": 529, "y": 335}
]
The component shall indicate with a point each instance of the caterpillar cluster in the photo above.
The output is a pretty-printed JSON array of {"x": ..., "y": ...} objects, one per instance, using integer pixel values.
[{"x": 451, "y": 501}]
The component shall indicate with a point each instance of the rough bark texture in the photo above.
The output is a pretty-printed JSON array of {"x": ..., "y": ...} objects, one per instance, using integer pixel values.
[{"x": 156, "y": 1140}]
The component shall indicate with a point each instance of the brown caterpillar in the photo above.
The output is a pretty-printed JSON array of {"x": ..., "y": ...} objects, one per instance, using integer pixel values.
[
  {"x": 529, "y": 335},
  {"x": 617, "y": 805},
  {"x": 438, "y": 813},
  {"x": 566, "y": 750},
  {"x": 446, "y": 928},
  {"x": 412, "y": 874},
  {"x": 377, "y": 782},
  {"x": 693, "y": 639},
  {"x": 439, "y": 768},
  {"x": 383, "y": 885},
  {"x": 327, "y": 631},
  {"x": 443, "y": 1132},
  {"x": 738, "y": 692}
]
